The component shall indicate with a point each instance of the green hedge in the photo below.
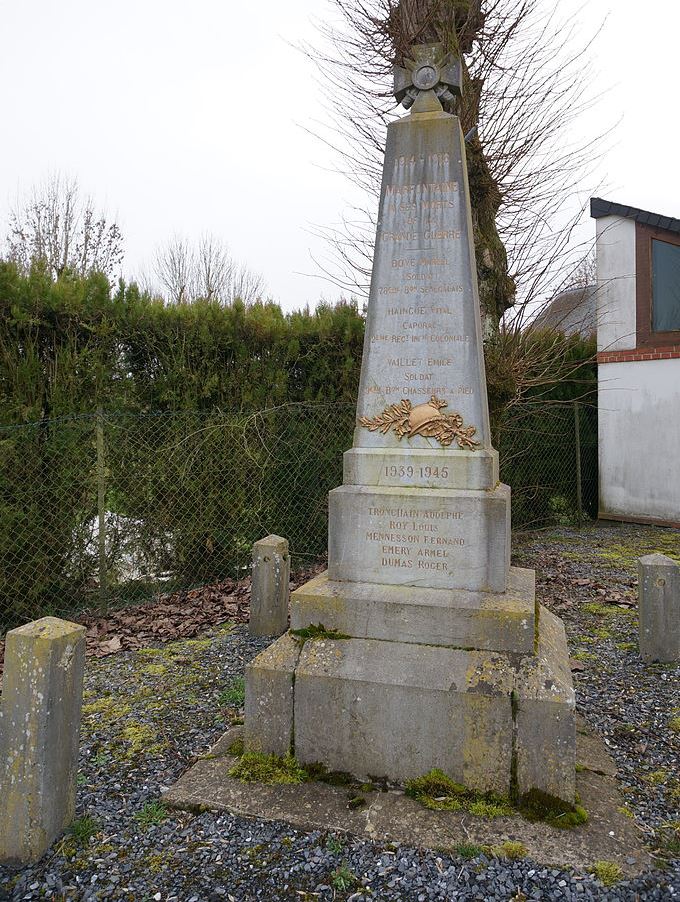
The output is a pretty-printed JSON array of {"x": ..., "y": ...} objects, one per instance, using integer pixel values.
[
  {"x": 67, "y": 346},
  {"x": 193, "y": 473}
]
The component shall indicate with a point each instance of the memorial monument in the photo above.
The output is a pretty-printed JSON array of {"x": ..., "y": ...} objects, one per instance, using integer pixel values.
[{"x": 433, "y": 652}]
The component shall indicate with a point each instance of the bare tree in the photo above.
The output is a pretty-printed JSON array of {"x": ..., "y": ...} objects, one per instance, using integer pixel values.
[
  {"x": 205, "y": 270},
  {"x": 173, "y": 267},
  {"x": 526, "y": 80},
  {"x": 54, "y": 225}
]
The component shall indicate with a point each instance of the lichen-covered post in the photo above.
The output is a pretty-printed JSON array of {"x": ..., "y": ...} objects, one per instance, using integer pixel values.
[
  {"x": 659, "y": 579},
  {"x": 39, "y": 736},
  {"x": 270, "y": 587}
]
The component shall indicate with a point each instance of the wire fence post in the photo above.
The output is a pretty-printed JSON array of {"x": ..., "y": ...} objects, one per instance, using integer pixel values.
[
  {"x": 577, "y": 452},
  {"x": 101, "y": 509}
]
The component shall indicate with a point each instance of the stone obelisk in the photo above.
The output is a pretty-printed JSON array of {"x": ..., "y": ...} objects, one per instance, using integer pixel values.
[{"x": 446, "y": 659}]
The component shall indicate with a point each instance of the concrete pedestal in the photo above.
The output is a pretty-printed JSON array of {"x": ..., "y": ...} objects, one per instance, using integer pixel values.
[{"x": 490, "y": 720}]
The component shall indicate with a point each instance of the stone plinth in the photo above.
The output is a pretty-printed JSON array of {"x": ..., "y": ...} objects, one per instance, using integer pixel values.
[
  {"x": 270, "y": 587},
  {"x": 659, "y": 580},
  {"x": 420, "y": 468},
  {"x": 427, "y": 538},
  {"x": 490, "y": 720},
  {"x": 489, "y": 621},
  {"x": 39, "y": 732}
]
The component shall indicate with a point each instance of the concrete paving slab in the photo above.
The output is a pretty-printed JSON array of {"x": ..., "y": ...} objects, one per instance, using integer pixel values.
[{"x": 392, "y": 817}]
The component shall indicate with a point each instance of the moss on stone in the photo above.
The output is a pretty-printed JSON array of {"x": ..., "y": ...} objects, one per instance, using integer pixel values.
[
  {"x": 511, "y": 849},
  {"x": 107, "y": 708},
  {"x": 437, "y": 791},
  {"x": 317, "y": 631},
  {"x": 237, "y": 747},
  {"x": 155, "y": 669},
  {"x": 656, "y": 777},
  {"x": 140, "y": 738},
  {"x": 256, "y": 767},
  {"x": 536, "y": 805},
  {"x": 607, "y": 872},
  {"x": 674, "y": 724}
]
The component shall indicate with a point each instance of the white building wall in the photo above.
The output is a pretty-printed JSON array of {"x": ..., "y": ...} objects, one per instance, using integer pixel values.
[
  {"x": 616, "y": 293},
  {"x": 639, "y": 435}
]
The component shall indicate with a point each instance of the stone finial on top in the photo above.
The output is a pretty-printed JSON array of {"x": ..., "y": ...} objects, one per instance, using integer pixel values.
[{"x": 430, "y": 73}]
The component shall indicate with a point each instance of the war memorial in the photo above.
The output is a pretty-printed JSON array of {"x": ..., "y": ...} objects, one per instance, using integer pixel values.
[{"x": 433, "y": 652}]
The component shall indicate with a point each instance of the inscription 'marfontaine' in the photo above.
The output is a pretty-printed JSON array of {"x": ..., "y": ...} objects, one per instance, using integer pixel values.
[{"x": 424, "y": 419}]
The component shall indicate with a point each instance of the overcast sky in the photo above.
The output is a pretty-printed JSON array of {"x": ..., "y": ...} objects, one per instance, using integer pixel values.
[{"x": 189, "y": 117}]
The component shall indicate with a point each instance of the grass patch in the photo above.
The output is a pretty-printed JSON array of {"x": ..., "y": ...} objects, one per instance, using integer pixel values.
[
  {"x": 83, "y": 829},
  {"x": 334, "y": 845},
  {"x": 317, "y": 631},
  {"x": 256, "y": 767},
  {"x": 674, "y": 724},
  {"x": 342, "y": 879},
  {"x": 607, "y": 872},
  {"x": 438, "y": 792},
  {"x": 152, "y": 814},
  {"x": 626, "y": 646},
  {"x": 584, "y": 656},
  {"x": 234, "y": 695},
  {"x": 668, "y": 839},
  {"x": 468, "y": 851}
]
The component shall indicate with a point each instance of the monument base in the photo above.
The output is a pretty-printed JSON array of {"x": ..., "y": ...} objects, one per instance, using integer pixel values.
[
  {"x": 503, "y": 621},
  {"x": 490, "y": 720}
]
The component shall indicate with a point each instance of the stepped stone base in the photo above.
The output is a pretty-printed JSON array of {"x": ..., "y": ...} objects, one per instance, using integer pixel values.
[
  {"x": 490, "y": 720},
  {"x": 457, "y": 617}
]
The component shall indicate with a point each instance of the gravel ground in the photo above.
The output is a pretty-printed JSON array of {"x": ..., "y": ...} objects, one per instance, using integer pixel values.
[{"x": 149, "y": 713}]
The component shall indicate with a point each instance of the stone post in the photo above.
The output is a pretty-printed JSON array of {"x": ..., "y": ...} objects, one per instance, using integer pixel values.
[
  {"x": 659, "y": 578},
  {"x": 270, "y": 587},
  {"x": 39, "y": 736}
]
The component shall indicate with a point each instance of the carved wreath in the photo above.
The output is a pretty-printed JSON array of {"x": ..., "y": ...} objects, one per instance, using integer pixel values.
[{"x": 426, "y": 420}]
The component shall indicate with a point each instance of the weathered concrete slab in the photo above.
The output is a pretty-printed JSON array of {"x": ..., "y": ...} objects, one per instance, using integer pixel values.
[
  {"x": 39, "y": 735},
  {"x": 394, "y": 818},
  {"x": 270, "y": 679},
  {"x": 270, "y": 587},
  {"x": 483, "y": 620},
  {"x": 545, "y": 714},
  {"x": 659, "y": 579},
  {"x": 440, "y": 539},
  {"x": 420, "y": 468},
  {"x": 398, "y": 710}
]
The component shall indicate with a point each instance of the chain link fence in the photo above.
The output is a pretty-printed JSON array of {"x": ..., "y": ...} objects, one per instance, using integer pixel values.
[{"x": 113, "y": 508}]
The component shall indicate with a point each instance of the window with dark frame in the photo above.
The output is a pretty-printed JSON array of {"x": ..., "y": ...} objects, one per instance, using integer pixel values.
[{"x": 665, "y": 286}]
